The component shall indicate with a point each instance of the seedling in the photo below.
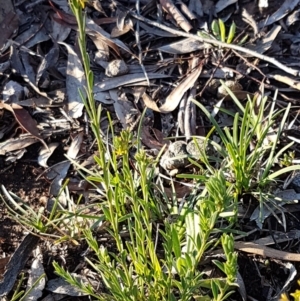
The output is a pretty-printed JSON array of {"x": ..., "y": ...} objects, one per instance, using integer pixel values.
[{"x": 219, "y": 32}]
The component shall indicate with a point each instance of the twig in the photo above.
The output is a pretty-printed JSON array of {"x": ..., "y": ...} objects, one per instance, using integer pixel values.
[
  {"x": 225, "y": 56},
  {"x": 253, "y": 66},
  {"x": 286, "y": 80},
  {"x": 264, "y": 251},
  {"x": 217, "y": 43},
  {"x": 261, "y": 250}
]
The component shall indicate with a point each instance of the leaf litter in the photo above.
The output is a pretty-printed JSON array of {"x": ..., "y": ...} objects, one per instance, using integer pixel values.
[{"x": 163, "y": 70}]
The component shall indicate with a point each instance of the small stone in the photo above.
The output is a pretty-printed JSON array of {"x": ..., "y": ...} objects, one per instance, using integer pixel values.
[
  {"x": 169, "y": 160},
  {"x": 232, "y": 85},
  {"x": 213, "y": 86},
  {"x": 195, "y": 148},
  {"x": 116, "y": 68}
]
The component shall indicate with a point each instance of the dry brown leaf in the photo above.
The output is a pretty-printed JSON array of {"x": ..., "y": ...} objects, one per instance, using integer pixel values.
[
  {"x": 286, "y": 80},
  {"x": 97, "y": 39},
  {"x": 160, "y": 137},
  {"x": 63, "y": 17},
  {"x": 126, "y": 79},
  {"x": 116, "y": 32},
  {"x": 149, "y": 141},
  {"x": 8, "y": 26},
  {"x": 123, "y": 25},
  {"x": 266, "y": 42},
  {"x": 124, "y": 109},
  {"x": 17, "y": 263},
  {"x": 195, "y": 6},
  {"x": 75, "y": 81},
  {"x": 175, "y": 96},
  {"x": 157, "y": 32},
  {"x": 59, "y": 31},
  {"x": 108, "y": 20},
  {"x": 95, "y": 31},
  {"x": 286, "y": 7},
  {"x": 59, "y": 171},
  {"x": 222, "y": 4},
  {"x": 45, "y": 154},
  {"x": 15, "y": 144},
  {"x": 36, "y": 278},
  {"x": 186, "y": 10},
  {"x": 169, "y": 6},
  {"x": 24, "y": 119},
  {"x": 97, "y": 6},
  {"x": 187, "y": 45},
  {"x": 102, "y": 55}
]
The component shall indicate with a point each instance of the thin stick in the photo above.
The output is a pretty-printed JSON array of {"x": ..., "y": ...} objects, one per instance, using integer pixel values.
[{"x": 218, "y": 43}]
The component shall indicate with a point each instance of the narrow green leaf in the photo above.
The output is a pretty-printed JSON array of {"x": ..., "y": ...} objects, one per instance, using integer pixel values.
[
  {"x": 176, "y": 243},
  {"x": 214, "y": 289},
  {"x": 236, "y": 129},
  {"x": 212, "y": 120},
  {"x": 231, "y": 33},
  {"x": 220, "y": 265},
  {"x": 180, "y": 265},
  {"x": 215, "y": 29},
  {"x": 222, "y": 30},
  {"x": 283, "y": 171}
]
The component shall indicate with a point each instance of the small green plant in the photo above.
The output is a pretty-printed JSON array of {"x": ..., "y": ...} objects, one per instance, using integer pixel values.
[
  {"x": 287, "y": 159},
  {"x": 18, "y": 293},
  {"x": 134, "y": 270},
  {"x": 57, "y": 224},
  {"x": 250, "y": 158},
  {"x": 219, "y": 32}
]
